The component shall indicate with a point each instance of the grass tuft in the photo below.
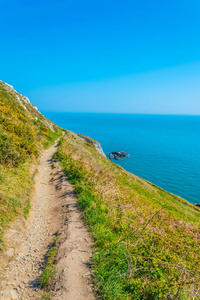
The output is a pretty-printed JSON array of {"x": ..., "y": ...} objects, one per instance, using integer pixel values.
[{"x": 49, "y": 269}]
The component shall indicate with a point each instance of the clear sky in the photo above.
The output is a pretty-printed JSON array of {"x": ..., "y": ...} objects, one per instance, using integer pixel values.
[{"x": 103, "y": 55}]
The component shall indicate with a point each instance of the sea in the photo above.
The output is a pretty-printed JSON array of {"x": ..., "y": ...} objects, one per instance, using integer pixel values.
[{"x": 164, "y": 149}]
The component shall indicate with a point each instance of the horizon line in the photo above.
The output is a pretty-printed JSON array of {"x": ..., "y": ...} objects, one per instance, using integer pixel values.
[{"x": 119, "y": 113}]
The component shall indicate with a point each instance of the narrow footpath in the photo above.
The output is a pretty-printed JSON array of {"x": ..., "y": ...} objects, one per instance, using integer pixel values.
[{"x": 54, "y": 210}]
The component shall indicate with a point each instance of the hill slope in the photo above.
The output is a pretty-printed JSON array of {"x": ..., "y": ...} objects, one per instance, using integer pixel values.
[
  {"x": 146, "y": 239},
  {"x": 24, "y": 132}
]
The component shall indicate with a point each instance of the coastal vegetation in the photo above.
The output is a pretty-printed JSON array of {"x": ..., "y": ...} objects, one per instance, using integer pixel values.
[
  {"x": 24, "y": 133},
  {"x": 146, "y": 240}
]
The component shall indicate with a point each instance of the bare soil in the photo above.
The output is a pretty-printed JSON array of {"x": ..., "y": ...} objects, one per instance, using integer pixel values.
[{"x": 54, "y": 210}]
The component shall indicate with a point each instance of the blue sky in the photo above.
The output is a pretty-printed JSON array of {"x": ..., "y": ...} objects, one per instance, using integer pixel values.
[{"x": 103, "y": 56}]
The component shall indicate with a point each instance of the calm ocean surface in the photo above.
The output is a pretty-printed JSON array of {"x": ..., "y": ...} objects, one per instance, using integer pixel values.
[{"x": 163, "y": 149}]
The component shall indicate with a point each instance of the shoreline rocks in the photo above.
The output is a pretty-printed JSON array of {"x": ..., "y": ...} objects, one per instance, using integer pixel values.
[
  {"x": 118, "y": 155},
  {"x": 94, "y": 143}
]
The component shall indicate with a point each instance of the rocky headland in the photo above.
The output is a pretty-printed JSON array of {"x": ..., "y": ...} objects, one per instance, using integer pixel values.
[{"x": 94, "y": 143}]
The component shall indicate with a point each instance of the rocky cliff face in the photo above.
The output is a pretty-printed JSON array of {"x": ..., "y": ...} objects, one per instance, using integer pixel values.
[
  {"x": 96, "y": 144},
  {"x": 99, "y": 148}
]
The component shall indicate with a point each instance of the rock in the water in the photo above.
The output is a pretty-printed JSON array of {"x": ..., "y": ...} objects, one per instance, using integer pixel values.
[{"x": 118, "y": 155}]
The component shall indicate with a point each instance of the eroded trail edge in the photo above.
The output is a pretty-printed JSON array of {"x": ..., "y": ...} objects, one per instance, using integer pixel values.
[{"x": 54, "y": 209}]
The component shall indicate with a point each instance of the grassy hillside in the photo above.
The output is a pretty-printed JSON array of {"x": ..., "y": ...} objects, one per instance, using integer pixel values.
[
  {"x": 146, "y": 239},
  {"x": 24, "y": 132}
]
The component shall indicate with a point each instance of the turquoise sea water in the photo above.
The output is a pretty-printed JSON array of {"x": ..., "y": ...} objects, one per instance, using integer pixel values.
[{"x": 163, "y": 149}]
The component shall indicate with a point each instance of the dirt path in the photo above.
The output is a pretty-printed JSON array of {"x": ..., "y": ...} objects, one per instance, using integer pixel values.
[{"x": 54, "y": 209}]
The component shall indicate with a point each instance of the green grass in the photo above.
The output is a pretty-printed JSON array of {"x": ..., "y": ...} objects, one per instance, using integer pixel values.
[
  {"x": 146, "y": 240},
  {"x": 16, "y": 191},
  {"x": 46, "y": 296},
  {"x": 49, "y": 269}
]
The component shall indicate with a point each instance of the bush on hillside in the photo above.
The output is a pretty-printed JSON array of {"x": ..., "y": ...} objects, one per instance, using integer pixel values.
[{"x": 9, "y": 154}]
